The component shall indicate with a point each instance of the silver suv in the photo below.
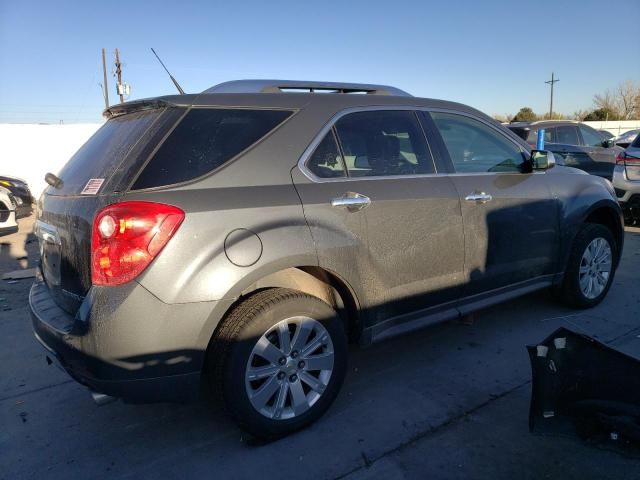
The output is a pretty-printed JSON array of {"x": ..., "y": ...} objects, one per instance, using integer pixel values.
[
  {"x": 626, "y": 181},
  {"x": 240, "y": 238}
]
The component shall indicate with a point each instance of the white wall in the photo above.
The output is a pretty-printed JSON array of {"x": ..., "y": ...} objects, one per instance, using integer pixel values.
[
  {"x": 29, "y": 151},
  {"x": 616, "y": 127}
]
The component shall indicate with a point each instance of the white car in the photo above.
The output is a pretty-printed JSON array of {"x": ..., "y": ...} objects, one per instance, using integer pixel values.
[{"x": 8, "y": 222}]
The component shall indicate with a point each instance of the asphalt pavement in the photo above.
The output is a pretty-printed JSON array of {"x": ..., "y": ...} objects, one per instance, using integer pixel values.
[{"x": 449, "y": 401}]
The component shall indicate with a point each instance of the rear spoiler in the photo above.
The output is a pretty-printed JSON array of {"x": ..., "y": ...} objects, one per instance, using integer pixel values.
[{"x": 135, "y": 106}]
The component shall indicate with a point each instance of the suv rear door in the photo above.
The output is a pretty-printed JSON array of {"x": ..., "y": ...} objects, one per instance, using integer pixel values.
[
  {"x": 510, "y": 217},
  {"x": 380, "y": 215}
]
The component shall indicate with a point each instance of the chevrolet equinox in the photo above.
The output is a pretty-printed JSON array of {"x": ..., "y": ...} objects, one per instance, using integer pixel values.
[{"x": 235, "y": 241}]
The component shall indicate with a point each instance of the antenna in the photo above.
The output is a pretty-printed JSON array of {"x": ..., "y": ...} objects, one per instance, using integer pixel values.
[{"x": 170, "y": 76}]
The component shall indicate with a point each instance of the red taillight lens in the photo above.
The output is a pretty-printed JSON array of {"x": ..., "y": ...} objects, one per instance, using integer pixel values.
[
  {"x": 127, "y": 236},
  {"x": 624, "y": 159}
]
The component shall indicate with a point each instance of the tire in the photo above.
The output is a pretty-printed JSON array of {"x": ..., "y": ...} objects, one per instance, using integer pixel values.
[
  {"x": 571, "y": 291},
  {"x": 237, "y": 353}
]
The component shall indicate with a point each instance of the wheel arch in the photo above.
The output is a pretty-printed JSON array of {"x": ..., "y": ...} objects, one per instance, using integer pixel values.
[
  {"x": 610, "y": 216},
  {"x": 312, "y": 280}
]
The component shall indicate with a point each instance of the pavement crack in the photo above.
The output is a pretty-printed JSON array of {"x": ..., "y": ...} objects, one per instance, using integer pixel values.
[
  {"x": 35, "y": 390},
  {"x": 368, "y": 462}
]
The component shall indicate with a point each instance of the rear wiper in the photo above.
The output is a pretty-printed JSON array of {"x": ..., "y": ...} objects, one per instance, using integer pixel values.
[{"x": 53, "y": 180}]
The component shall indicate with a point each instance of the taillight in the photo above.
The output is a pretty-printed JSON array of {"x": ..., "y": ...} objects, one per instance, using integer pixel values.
[
  {"x": 127, "y": 236},
  {"x": 624, "y": 159}
]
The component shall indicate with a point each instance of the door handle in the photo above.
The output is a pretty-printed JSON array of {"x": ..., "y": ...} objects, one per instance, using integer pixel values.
[
  {"x": 478, "y": 197},
  {"x": 351, "y": 201}
]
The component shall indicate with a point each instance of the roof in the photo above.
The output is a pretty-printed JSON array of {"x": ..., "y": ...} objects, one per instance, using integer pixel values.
[
  {"x": 328, "y": 103},
  {"x": 540, "y": 123},
  {"x": 282, "y": 86}
]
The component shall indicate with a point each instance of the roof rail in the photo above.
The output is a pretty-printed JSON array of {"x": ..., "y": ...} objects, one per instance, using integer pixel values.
[{"x": 285, "y": 86}]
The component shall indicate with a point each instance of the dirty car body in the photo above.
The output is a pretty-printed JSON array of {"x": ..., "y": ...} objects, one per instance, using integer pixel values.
[{"x": 360, "y": 202}]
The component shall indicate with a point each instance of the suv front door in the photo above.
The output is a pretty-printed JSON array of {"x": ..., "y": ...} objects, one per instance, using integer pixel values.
[
  {"x": 602, "y": 158},
  {"x": 381, "y": 217},
  {"x": 510, "y": 217}
]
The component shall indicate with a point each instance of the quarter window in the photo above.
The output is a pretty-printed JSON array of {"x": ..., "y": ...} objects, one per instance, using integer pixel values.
[
  {"x": 384, "y": 142},
  {"x": 326, "y": 161},
  {"x": 204, "y": 140},
  {"x": 476, "y": 147}
]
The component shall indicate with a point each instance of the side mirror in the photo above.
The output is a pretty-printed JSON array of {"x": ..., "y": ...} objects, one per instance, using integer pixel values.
[
  {"x": 542, "y": 159},
  {"x": 608, "y": 143}
]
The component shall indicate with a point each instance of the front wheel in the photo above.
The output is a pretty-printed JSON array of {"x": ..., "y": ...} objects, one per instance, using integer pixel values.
[
  {"x": 590, "y": 268},
  {"x": 279, "y": 360}
]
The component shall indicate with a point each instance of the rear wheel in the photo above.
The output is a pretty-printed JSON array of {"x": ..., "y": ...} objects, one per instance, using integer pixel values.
[
  {"x": 591, "y": 267},
  {"x": 279, "y": 360}
]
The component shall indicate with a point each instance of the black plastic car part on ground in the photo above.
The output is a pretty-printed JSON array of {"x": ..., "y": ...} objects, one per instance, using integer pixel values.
[{"x": 583, "y": 386}]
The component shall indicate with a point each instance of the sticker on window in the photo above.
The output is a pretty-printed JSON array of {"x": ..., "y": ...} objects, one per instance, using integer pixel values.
[{"x": 92, "y": 186}]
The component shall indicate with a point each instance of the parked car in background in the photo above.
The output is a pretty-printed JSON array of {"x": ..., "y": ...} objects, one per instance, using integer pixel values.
[
  {"x": 625, "y": 139},
  {"x": 8, "y": 221},
  {"x": 606, "y": 134},
  {"x": 575, "y": 144},
  {"x": 626, "y": 181},
  {"x": 21, "y": 192},
  {"x": 241, "y": 237}
]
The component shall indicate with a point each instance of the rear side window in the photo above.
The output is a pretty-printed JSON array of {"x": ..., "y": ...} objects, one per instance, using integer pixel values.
[
  {"x": 382, "y": 143},
  {"x": 204, "y": 140}
]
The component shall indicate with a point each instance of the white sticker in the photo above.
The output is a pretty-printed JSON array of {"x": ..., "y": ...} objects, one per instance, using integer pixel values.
[{"x": 92, "y": 186}]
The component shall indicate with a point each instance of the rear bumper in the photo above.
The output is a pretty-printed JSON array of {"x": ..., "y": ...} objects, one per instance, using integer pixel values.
[
  {"x": 625, "y": 188},
  {"x": 126, "y": 356}
]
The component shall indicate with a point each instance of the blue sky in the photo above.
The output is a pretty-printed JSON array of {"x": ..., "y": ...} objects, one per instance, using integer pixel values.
[{"x": 494, "y": 55}]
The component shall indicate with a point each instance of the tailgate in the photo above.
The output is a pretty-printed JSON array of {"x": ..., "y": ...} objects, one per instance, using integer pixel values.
[{"x": 94, "y": 177}]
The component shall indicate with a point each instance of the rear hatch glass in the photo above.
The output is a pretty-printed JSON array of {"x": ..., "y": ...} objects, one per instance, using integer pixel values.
[{"x": 104, "y": 152}]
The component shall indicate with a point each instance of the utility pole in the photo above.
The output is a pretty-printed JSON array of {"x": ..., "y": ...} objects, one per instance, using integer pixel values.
[
  {"x": 119, "y": 76},
  {"x": 104, "y": 75},
  {"x": 551, "y": 82}
]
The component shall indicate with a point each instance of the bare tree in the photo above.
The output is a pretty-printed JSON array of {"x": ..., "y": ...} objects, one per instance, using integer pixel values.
[
  {"x": 628, "y": 94},
  {"x": 579, "y": 114},
  {"x": 623, "y": 102}
]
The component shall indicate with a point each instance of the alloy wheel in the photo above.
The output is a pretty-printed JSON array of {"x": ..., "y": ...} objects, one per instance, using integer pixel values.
[
  {"x": 289, "y": 368},
  {"x": 595, "y": 268}
]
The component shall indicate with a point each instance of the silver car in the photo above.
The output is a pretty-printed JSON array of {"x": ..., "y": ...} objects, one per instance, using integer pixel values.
[{"x": 626, "y": 181}]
